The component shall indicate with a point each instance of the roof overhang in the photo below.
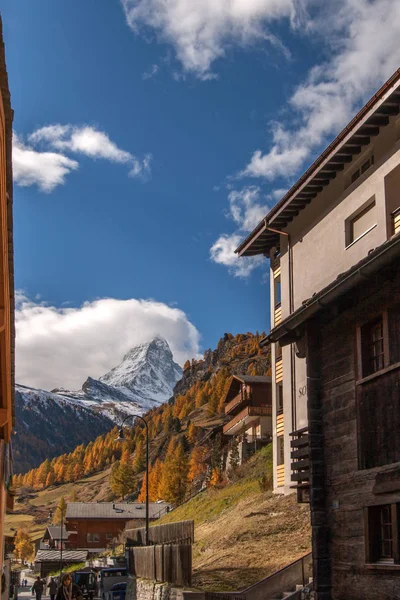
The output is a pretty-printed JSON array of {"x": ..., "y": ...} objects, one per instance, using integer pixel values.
[
  {"x": 292, "y": 328},
  {"x": 358, "y": 133}
]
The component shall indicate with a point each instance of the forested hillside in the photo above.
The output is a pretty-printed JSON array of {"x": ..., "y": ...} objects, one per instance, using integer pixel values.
[{"x": 184, "y": 449}]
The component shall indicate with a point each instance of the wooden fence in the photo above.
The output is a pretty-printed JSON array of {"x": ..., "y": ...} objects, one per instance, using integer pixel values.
[
  {"x": 181, "y": 532},
  {"x": 170, "y": 563}
]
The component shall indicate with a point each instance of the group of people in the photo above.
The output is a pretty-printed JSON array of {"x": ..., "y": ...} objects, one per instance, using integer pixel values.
[{"x": 65, "y": 591}]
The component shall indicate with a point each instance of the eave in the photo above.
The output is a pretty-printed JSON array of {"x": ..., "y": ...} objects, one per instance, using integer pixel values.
[{"x": 356, "y": 135}]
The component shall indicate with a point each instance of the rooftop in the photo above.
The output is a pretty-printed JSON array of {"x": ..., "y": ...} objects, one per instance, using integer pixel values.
[
  {"x": 67, "y": 555},
  {"x": 113, "y": 510},
  {"x": 358, "y": 133},
  {"x": 55, "y": 532}
]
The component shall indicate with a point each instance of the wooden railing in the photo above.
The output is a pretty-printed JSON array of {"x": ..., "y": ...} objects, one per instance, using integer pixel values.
[
  {"x": 300, "y": 463},
  {"x": 280, "y": 475},
  {"x": 296, "y": 573},
  {"x": 238, "y": 399},
  {"x": 396, "y": 221},
  {"x": 249, "y": 411},
  {"x": 277, "y": 314}
]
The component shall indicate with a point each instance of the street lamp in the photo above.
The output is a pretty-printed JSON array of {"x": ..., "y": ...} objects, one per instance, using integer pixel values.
[
  {"x": 62, "y": 510},
  {"x": 121, "y": 437}
]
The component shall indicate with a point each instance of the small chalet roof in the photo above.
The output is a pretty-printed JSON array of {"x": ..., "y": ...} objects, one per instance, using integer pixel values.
[
  {"x": 358, "y": 133},
  {"x": 55, "y": 555},
  {"x": 113, "y": 510},
  {"x": 237, "y": 380},
  {"x": 55, "y": 532},
  {"x": 290, "y": 328}
]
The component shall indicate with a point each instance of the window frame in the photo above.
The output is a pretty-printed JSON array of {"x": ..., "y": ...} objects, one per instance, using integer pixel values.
[
  {"x": 373, "y": 537},
  {"x": 362, "y": 374},
  {"x": 349, "y": 222},
  {"x": 109, "y": 536}
]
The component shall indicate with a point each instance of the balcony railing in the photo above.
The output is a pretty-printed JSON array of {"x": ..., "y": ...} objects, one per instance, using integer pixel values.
[
  {"x": 280, "y": 424},
  {"x": 300, "y": 463},
  {"x": 396, "y": 221},
  {"x": 236, "y": 401},
  {"x": 249, "y": 411}
]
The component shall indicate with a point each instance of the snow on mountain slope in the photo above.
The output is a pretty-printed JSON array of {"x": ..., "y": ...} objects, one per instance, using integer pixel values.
[
  {"x": 144, "y": 379},
  {"x": 48, "y": 425}
]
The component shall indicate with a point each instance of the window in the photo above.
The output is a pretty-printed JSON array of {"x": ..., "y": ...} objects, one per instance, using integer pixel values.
[
  {"x": 278, "y": 290},
  {"x": 279, "y": 399},
  {"x": 280, "y": 450},
  {"x": 360, "y": 223},
  {"x": 364, "y": 167},
  {"x": 377, "y": 389},
  {"x": 382, "y": 534},
  {"x": 93, "y": 537},
  {"x": 373, "y": 347},
  {"x": 109, "y": 536}
]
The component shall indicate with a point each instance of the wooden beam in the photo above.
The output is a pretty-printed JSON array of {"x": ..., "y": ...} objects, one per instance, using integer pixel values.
[
  {"x": 342, "y": 158},
  {"x": 379, "y": 121},
  {"x": 388, "y": 109},
  {"x": 4, "y": 414},
  {"x": 369, "y": 129},
  {"x": 359, "y": 140}
]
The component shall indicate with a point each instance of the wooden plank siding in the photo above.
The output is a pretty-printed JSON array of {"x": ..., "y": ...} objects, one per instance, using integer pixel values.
[
  {"x": 350, "y": 443},
  {"x": 279, "y": 370},
  {"x": 165, "y": 563},
  {"x": 396, "y": 221},
  {"x": 280, "y": 475},
  {"x": 277, "y": 314},
  {"x": 280, "y": 424}
]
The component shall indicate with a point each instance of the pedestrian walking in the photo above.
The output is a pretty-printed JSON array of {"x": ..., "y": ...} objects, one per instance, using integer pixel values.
[
  {"x": 38, "y": 588},
  {"x": 68, "y": 590},
  {"x": 52, "y": 588}
]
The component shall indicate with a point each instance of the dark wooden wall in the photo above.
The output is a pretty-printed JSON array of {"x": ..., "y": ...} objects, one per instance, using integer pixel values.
[{"x": 348, "y": 487}]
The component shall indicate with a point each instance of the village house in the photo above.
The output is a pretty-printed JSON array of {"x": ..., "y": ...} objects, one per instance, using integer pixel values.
[
  {"x": 94, "y": 525},
  {"x": 7, "y": 333},
  {"x": 334, "y": 248},
  {"x": 248, "y": 404},
  {"x": 54, "y": 537}
]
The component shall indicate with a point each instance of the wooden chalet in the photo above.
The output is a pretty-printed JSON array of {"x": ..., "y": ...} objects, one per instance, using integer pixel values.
[
  {"x": 55, "y": 537},
  {"x": 248, "y": 407},
  {"x": 7, "y": 331},
  {"x": 94, "y": 525}
]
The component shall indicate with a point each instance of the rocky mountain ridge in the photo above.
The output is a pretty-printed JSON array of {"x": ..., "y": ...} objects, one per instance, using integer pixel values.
[{"x": 50, "y": 423}]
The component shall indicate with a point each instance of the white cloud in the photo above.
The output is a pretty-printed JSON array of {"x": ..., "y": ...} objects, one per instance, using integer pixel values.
[
  {"x": 44, "y": 162},
  {"x": 88, "y": 141},
  {"x": 246, "y": 208},
  {"x": 151, "y": 72},
  {"x": 47, "y": 170},
  {"x": 201, "y": 30},
  {"x": 363, "y": 37},
  {"x": 222, "y": 252},
  {"x": 63, "y": 346}
]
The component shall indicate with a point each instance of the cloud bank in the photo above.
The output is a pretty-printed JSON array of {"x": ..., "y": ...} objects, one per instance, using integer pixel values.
[
  {"x": 61, "y": 347},
  {"x": 201, "y": 31},
  {"x": 44, "y": 160},
  {"x": 363, "y": 40}
]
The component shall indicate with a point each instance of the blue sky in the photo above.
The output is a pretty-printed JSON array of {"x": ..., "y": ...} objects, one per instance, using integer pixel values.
[{"x": 181, "y": 126}]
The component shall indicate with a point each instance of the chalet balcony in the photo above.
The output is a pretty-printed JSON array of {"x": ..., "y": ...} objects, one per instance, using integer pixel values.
[
  {"x": 246, "y": 417},
  {"x": 300, "y": 463},
  {"x": 236, "y": 402}
]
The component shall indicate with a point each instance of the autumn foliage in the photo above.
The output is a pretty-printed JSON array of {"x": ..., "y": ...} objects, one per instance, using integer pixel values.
[{"x": 182, "y": 461}]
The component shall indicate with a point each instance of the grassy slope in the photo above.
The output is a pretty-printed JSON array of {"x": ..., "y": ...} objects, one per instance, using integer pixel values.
[{"x": 241, "y": 533}]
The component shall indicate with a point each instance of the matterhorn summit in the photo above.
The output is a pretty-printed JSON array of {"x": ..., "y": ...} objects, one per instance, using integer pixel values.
[{"x": 144, "y": 379}]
